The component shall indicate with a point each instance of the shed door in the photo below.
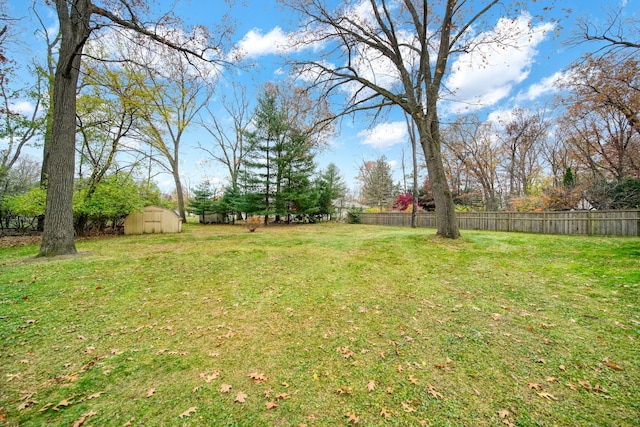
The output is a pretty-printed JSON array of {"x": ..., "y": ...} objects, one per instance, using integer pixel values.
[{"x": 153, "y": 222}]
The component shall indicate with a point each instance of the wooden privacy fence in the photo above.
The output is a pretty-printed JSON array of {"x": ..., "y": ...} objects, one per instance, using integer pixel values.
[{"x": 592, "y": 223}]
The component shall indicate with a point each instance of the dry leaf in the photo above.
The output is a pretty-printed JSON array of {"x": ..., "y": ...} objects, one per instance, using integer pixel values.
[
  {"x": 271, "y": 405},
  {"x": 26, "y": 404},
  {"x": 407, "y": 406},
  {"x": 345, "y": 352},
  {"x": 282, "y": 396},
  {"x": 384, "y": 413},
  {"x": 534, "y": 386},
  {"x": 352, "y": 418},
  {"x": 546, "y": 395},
  {"x": 551, "y": 379},
  {"x": 413, "y": 379},
  {"x": 432, "y": 391},
  {"x": 45, "y": 407},
  {"x": 503, "y": 413},
  {"x": 240, "y": 397},
  {"x": 572, "y": 386},
  {"x": 95, "y": 395},
  {"x": 150, "y": 393},
  {"x": 600, "y": 389},
  {"x": 371, "y": 385},
  {"x": 225, "y": 388},
  {"x": 129, "y": 423},
  {"x": 257, "y": 378},
  {"x": 585, "y": 384},
  {"x": 64, "y": 402},
  {"x": 613, "y": 366},
  {"x": 188, "y": 412},
  {"x": 83, "y": 418},
  {"x": 210, "y": 377},
  {"x": 344, "y": 390}
]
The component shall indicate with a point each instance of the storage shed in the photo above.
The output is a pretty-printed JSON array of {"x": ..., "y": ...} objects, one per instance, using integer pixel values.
[{"x": 153, "y": 219}]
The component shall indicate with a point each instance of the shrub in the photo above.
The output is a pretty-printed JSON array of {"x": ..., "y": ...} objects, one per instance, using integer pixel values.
[
  {"x": 353, "y": 216},
  {"x": 253, "y": 223}
]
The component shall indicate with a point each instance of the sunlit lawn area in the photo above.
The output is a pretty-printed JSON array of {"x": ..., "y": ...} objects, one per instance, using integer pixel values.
[{"x": 322, "y": 325}]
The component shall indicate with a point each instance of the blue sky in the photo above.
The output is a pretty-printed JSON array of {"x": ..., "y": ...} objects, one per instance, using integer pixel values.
[{"x": 519, "y": 77}]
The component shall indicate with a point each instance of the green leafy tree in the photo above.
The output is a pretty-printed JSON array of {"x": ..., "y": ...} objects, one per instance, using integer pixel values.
[
  {"x": 78, "y": 20},
  {"x": 568, "y": 181},
  {"x": 202, "y": 202},
  {"x": 378, "y": 188},
  {"x": 261, "y": 176},
  {"x": 112, "y": 199},
  {"x": 277, "y": 173},
  {"x": 331, "y": 188},
  {"x": 28, "y": 204},
  {"x": 298, "y": 193}
]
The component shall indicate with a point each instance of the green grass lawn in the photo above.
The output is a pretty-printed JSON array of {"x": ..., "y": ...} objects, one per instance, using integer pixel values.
[{"x": 323, "y": 325}]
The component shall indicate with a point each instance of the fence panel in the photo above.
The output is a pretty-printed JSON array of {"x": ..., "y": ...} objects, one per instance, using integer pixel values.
[{"x": 600, "y": 223}]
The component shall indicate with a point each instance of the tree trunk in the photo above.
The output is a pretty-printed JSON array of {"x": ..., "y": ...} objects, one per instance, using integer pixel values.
[
  {"x": 58, "y": 234},
  {"x": 446, "y": 222},
  {"x": 179, "y": 194}
]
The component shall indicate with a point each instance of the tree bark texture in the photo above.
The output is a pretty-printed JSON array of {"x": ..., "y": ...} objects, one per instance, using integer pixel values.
[{"x": 58, "y": 234}]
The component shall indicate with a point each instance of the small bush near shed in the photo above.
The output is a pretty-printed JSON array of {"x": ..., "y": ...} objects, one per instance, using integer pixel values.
[{"x": 253, "y": 223}]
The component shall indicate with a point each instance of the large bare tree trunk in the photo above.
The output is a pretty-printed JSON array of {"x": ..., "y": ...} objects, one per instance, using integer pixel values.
[
  {"x": 58, "y": 235},
  {"x": 446, "y": 222}
]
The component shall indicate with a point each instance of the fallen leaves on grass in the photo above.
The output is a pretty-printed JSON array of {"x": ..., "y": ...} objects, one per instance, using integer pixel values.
[
  {"x": 64, "y": 403},
  {"x": 83, "y": 418},
  {"x": 504, "y": 413},
  {"x": 505, "y": 417},
  {"x": 407, "y": 406},
  {"x": 384, "y": 413},
  {"x": 240, "y": 397},
  {"x": 344, "y": 390},
  {"x": 225, "y": 388},
  {"x": 613, "y": 366},
  {"x": 352, "y": 418},
  {"x": 150, "y": 392},
  {"x": 95, "y": 395},
  {"x": 345, "y": 352},
  {"x": 371, "y": 385},
  {"x": 446, "y": 366},
  {"x": 433, "y": 392},
  {"x": 209, "y": 377},
  {"x": 271, "y": 405},
  {"x": 257, "y": 378},
  {"x": 546, "y": 395},
  {"x": 188, "y": 412}
]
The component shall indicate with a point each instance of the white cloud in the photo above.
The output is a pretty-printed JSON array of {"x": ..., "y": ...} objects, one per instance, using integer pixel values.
[
  {"x": 23, "y": 107},
  {"x": 546, "y": 86},
  {"x": 488, "y": 73},
  {"x": 385, "y": 135},
  {"x": 255, "y": 43}
]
